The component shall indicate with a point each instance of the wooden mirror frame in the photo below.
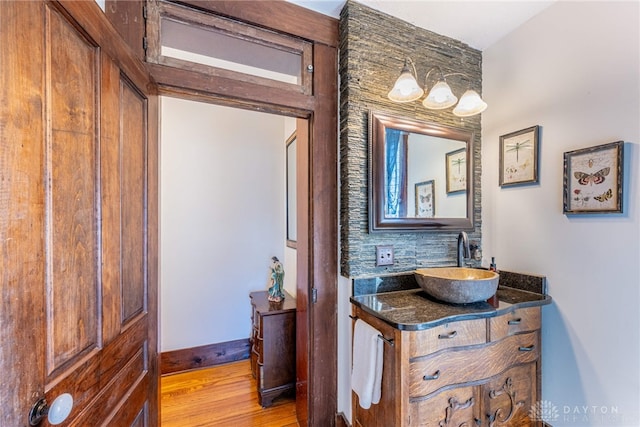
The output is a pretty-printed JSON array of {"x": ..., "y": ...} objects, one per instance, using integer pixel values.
[{"x": 378, "y": 122}]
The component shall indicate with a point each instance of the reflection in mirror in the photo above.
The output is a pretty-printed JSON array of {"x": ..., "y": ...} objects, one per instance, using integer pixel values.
[
  {"x": 419, "y": 175},
  {"x": 411, "y": 159},
  {"x": 291, "y": 191}
]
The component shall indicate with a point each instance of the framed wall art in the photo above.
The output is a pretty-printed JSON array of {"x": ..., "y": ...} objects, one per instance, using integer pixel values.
[
  {"x": 593, "y": 179},
  {"x": 519, "y": 153},
  {"x": 425, "y": 199},
  {"x": 456, "y": 170}
]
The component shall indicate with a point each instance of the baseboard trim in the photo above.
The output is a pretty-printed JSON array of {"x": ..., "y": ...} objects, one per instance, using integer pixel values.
[
  {"x": 203, "y": 356},
  {"x": 341, "y": 420}
]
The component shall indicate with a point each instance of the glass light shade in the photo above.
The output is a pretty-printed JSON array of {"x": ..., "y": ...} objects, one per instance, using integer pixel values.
[
  {"x": 440, "y": 97},
  {"x": 470, "y": 104},
  {"x": 406, "y": 88}
]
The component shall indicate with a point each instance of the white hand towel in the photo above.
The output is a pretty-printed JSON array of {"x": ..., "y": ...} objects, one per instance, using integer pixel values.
[{"x": 366, "y": 376}]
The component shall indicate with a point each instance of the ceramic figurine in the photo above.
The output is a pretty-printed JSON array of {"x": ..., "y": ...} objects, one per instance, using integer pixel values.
[{"x": 276, "y": 293}]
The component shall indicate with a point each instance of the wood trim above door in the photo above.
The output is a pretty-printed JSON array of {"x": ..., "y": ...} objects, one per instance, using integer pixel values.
[
  {"x": 276, "y": 15},
  {"x": 199, "y": 86}
]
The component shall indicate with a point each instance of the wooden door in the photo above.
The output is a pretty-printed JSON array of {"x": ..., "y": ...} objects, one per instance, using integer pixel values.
[{"x": 78, "y": 219}]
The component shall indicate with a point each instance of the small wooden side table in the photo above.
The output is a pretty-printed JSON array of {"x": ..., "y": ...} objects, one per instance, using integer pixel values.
[{"x": 273, "y": 346}]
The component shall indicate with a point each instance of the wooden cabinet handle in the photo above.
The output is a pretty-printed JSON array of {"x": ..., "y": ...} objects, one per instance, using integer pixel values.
[
  {"x": 435, "y": 376},
  {"x": 530, "y": 348},
  {"x": 447, "y": 336},
  {"x": 514, "y": 321}
]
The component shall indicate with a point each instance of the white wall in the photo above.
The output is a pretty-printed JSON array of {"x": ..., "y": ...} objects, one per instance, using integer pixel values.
[
  {"x": 222, "y": 217},
  {"x": 575, "y": 71}
]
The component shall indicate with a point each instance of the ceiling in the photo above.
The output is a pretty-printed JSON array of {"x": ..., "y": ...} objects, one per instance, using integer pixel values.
[{"x": 478, "y": 23}]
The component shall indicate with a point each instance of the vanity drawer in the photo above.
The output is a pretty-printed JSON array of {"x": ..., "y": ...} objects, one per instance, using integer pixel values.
[
  {"x": 453, "y": 407},
  {"x": 520, "y": 320},
  {"x": 462, "y": 365},
  {"x": 454, "y": 334}
]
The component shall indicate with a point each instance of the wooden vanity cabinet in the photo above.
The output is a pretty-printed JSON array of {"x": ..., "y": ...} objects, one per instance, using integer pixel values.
[
  {"x": 478, "y": 372},
  {"x": 273, "y": 343}
]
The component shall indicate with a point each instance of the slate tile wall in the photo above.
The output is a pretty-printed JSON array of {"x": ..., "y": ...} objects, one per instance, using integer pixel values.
[{"x": 372, "y": 51}]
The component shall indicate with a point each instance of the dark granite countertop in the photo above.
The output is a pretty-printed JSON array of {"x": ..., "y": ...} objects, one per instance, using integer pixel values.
[{"x": 414, "y": 310}]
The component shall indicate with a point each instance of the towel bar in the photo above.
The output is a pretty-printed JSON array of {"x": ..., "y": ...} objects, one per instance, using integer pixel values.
[{"x": 387, "y": 340}]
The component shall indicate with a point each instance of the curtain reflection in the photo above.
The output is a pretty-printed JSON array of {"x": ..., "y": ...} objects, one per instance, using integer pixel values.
[{"x": 396, "y": 173}]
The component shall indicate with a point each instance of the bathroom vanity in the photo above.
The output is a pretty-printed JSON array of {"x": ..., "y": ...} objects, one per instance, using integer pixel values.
[{"x": 454, "y": 365}]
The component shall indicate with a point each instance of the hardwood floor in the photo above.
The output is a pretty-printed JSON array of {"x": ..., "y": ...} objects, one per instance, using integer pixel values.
[{"x": 224, "y": 395}]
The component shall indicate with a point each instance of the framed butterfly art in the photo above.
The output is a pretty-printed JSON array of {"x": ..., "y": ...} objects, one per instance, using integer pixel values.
[
  {"x": 593, "y": 179},
  {"x": 425, "y": 199}
]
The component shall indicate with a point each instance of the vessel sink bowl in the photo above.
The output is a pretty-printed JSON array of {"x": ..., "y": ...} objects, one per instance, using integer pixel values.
[{"x": 458, "y": 285}]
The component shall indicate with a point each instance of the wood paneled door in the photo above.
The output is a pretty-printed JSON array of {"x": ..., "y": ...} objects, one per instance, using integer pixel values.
[{"x": 78, "y": 218}]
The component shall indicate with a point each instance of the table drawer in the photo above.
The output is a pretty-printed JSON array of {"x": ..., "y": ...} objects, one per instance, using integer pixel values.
[
  {"x": 518, "y": 321},
  {"x": 453, "y": 334},
  {"x": 462, "y": 365},
  {"x": 258, "y": 348}
]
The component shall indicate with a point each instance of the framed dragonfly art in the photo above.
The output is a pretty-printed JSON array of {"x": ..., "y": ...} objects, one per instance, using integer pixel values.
[
  {"x": 456, "y": 171},
  {"x": 519, "y": 157},
  {"x": 593, "y": 179}
]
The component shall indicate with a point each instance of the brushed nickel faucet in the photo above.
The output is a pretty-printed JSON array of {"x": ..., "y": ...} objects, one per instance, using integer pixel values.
[{"x": 463, "y": 248}]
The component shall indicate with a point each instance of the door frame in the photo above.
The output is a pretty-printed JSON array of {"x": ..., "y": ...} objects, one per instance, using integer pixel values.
[{"x": 319, "y": 265}]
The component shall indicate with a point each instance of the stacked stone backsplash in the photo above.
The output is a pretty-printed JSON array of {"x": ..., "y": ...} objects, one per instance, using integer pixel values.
[{"x": 373, "y": 47}]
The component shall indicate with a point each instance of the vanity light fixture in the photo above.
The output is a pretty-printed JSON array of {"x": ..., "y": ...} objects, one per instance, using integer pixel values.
[
  {"x": 440, "y": 96},
  {"x": 470, "y": 104},
  {"x": 406, "y": 89}
]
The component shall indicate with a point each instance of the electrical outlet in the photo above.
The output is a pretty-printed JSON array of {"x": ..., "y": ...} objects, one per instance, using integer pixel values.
[{"x": 384, "y": 255}]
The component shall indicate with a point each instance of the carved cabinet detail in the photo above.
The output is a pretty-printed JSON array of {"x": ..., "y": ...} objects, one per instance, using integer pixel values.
[
  {"x": 509, "y": 397},
  {"x": 470, "y": 373}
]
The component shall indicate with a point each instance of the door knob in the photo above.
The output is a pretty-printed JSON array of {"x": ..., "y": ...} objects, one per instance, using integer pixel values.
[{"x": 56, "y": 413}]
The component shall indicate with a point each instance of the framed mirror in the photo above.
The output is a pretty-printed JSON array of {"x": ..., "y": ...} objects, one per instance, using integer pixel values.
[{"x": 420, "y": 175}]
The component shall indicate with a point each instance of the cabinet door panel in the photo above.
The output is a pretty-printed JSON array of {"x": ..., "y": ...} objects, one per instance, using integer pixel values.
[
  {"x": 388, "y": 412},
  {"x": 277, "y": 349},
  {"x": 508, "y": 397},
  {"x": 456, "y": 407}
]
